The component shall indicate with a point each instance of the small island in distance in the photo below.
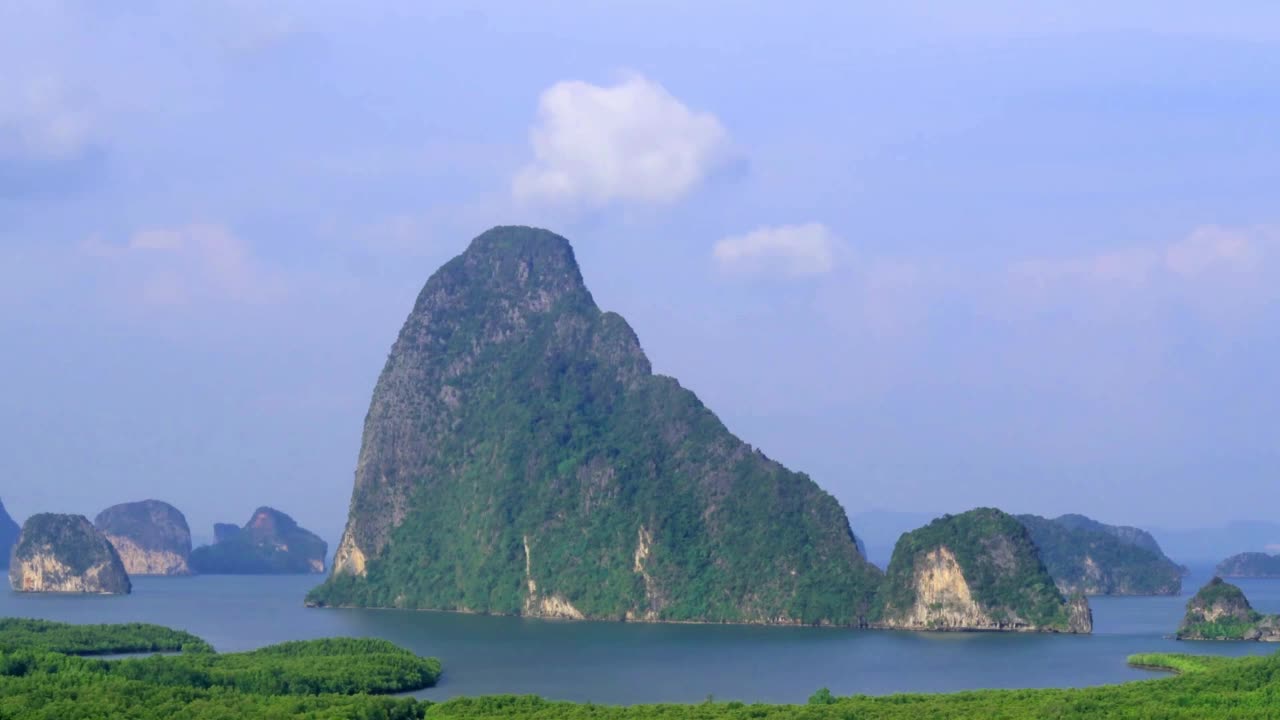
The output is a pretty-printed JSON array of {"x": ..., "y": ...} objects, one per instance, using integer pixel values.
[
  {"x": 1220, "y": 611},
  {"x": 270, "y": 543},
  {"x": 1088, "y": 557},
  {"x": 933, "y": 580},
  {"x": 1250, "y": 565},
  {"x": 66, "y": 554},
  {"x": 151, "y": 536}
]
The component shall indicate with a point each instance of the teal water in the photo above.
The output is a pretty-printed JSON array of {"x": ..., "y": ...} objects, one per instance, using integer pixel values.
[{"x": 632, "y": 663}]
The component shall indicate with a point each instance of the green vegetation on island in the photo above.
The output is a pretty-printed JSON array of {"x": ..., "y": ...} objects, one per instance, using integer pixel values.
[
  {"x": 973, "y": 571},
  {"x": 67, "y": 554},
  {"x": 1250, "y": 565},
  {"x": 334, "y": 679},
  {"x": 520, "y": 457},
  {"x": 1088, "y": 557},
  {"x": 152, "y": 537},
  {"x": 1220, "y": 611},
  {"x": 9, "y": 531},
  {"x": 42, "y": 676},
  {"x": 42, "y": 635},
  {"x": 271, "y": 543}
]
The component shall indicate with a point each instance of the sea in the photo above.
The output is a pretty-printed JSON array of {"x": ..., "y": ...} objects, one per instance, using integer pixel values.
[{"x": 628, "y": 663}]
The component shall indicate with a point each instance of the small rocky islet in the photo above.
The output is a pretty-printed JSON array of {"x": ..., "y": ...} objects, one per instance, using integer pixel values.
[
  {"x": 1220, "y": 611},
  {"x": 58, "y": 553},
  {"x": 1250, "y": 565},
  {"x": 270, "y": 543},
  {"x": 930, "y": 583},
  {"x": 152, "y": 537}
]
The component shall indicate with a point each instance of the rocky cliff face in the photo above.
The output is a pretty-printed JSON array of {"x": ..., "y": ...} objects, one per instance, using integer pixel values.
[
  {"x": 1220, "y": 611},
  {"x": 151, "y": 537},
  {"x": 8, "y": 535},
  {"x": 520, "y": 457},
  {"x": 974, "y": 571},
  {"x": 1088, "y": 557},
  {"x": 66, "y": 554},
  {"x": 271, "y": 543},
  {"x": 1250, "y": 565}
]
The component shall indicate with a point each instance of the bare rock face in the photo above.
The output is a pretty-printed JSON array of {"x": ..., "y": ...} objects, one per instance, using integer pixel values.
[
  {"x": 8, "y": 535},
  {"x": 975, "y": 571},
  {"x": 152, "y": 537},
  {"x": 66, "y": 554}
]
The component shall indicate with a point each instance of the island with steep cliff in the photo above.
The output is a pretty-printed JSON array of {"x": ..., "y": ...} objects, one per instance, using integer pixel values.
[
  {"x": 521, "y": 457},
  {"x": 66, "y": 554},
  {"x": 1220, "y": 611},
  {"x": 1092, "y": 558},
  {"x": 9, "y": 531},
  {"x": 271, "y": 543},
  {"x": 978, "y": 570},
  {"x": 152, "y": 537},
  {"x": 1250, "y": 565}
]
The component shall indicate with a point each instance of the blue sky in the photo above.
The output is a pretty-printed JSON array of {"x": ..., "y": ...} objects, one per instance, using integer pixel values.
[{"x": 1014, "y": 254}]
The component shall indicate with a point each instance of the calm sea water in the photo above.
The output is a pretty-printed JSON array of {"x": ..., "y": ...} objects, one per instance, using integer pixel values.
[{"x": 632, "y": 663}]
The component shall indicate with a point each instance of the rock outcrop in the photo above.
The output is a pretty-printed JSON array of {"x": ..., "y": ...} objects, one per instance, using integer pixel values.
[
  {"x": 1088, "y": 557},
  {"x": 66, "y": 554},
  {"x": 152, "y": 537},
  {"x": 271, "y": 543},
  {"x": 978, "y": 570},
  {"x": 1250, "y": 565},
  {"x": 1220, "y": 611},
  {"x": 8, "y": 535},
  {"x": 520, "y": 457}
]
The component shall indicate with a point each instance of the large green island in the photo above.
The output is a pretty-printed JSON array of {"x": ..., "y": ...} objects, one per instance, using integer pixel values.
[
  {"x": 520, "y": 457},
  {"x": 47, "y": 672}
]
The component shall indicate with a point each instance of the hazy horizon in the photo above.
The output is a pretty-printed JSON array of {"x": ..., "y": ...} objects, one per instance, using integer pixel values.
[{"x": 934, "y": 258}]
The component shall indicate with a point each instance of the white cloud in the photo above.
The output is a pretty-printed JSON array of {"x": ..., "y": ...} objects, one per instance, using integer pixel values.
[
  {"x": 176, "y": 266},
  {"x": 630, "y": 142},
  {"x": 793, "y": 250},
  {"x": 41, "y": 121},
  {"x": 1213, "y": 247},
  {"x": 1206, "y": 252}
]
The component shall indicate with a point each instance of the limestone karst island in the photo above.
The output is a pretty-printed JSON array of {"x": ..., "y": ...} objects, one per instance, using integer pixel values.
[{"x": 579, "y": 360}]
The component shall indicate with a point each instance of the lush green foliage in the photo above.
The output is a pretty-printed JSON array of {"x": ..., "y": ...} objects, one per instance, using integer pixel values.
[
  {"x": 555, "y": 454},
  {"x": 1179, "y": 662},
  {"x": 343, "y": 666},
  {"x": 43, "y": 635},
  {"x": 334, "y": 678},
  {"x": 271, "y": 543},
  {"x": 999, "y": 562},
  {"x": 1083, "y": 556}
]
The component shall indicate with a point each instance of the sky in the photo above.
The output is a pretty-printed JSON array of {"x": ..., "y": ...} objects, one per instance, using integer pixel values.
[{"x": 935, "y": 255}]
